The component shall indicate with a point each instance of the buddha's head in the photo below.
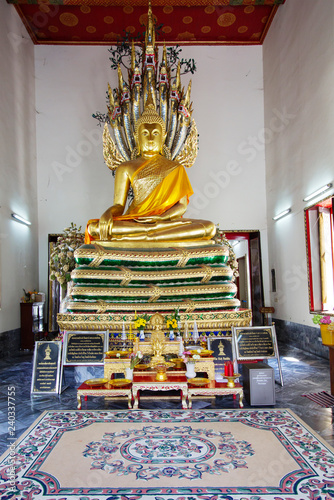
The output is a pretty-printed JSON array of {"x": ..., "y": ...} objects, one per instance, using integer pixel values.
[{"x": 150, "y": 132}]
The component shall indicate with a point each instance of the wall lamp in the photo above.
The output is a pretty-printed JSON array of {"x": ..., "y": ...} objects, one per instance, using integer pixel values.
[
  {"x": 18, "y": 218},
  {"x": 318, "y": 191},
  {"x": 282, "y": 214}
]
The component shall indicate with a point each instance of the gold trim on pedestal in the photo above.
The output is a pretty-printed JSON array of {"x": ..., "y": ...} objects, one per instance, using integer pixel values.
[
  {"x": 125, "y": 275},
  {"x": 100, "y": 253},
  {"x": 186, "y": 306},
  {"x": 206, "y": 320},
  {"x": 152, "y": 293}
]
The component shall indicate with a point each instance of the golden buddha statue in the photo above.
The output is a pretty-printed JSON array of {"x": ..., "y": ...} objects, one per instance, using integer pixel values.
[
  {"x": 152, "y": 149},
  {"x": 161, "y": 194}
]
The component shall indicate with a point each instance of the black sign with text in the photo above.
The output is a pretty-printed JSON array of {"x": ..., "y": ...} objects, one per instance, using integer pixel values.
[
  {"x": 46, "y": 367},
  {"x": 222, "y": 349},
  {"x": 255, "y": 343},
  {"x": 84, "y": 348}
]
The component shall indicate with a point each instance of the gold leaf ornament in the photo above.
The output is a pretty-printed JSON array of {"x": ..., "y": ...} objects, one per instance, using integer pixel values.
[
  {"x": 188, "y": 153},
  {"x": 111, "y": 155}
]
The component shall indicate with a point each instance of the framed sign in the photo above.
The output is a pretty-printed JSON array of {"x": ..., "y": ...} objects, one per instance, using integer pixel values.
[
  {"x": 256, "y": 342},
  {"x": 46, "y": 373},
  {"x": 223, "y": 351},
  {"x": 85, "y": 348}
]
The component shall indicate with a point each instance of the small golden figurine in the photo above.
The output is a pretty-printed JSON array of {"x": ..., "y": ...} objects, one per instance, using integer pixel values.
[{"x": 157, "y": 340}]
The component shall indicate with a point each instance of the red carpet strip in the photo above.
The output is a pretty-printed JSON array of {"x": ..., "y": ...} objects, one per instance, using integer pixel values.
[{"x": 321, "y": 398}]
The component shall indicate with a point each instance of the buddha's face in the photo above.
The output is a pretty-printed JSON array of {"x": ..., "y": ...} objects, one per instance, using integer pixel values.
[{"x": 150, "y": 139}]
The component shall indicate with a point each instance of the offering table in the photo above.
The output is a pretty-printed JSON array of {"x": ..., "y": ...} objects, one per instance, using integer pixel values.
[
  {"x": 206, "y": 365},
  {"x": 105, "y": 390},
  {"x": 214, "y": 388},
  {"x": 115, "y": 365},
  {"x": 170, "y": 347},
  {"x": 174, "y": 382}
]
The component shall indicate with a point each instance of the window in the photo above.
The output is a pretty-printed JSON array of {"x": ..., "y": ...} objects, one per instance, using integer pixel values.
[{"x": 320, "y": 255}]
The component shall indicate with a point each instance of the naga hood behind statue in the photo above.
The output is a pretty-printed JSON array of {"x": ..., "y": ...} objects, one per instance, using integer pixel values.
[{"x": 153, "y": 84}]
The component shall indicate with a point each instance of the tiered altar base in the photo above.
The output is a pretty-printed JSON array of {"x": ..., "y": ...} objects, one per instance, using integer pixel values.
[{"x": 114, "y": 285}]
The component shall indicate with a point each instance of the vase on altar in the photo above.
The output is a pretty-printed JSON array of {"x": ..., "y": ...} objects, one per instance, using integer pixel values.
[
  {"x": 171, "y": 334},
  {"x": 129, "y": 373},
  {"x": 190, "y": 372},
  {"x": 141, "y": 335}
]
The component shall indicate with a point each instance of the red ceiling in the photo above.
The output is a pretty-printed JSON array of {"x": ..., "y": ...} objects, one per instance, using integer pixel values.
[{"x": 206, "y": 22}]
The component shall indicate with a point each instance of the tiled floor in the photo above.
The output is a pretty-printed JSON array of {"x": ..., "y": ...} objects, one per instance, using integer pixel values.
[{"x": 302, "y": 373}]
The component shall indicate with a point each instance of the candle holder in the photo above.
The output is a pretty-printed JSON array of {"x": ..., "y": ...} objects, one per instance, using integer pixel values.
[
  {"x": 161, "y": 375},
  {"x": 231, "y": 379}
]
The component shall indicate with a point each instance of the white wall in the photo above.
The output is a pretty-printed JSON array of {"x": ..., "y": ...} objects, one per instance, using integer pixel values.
[
  {"x": 298, "y": 85},
  {"x": 75, "y": 185},
  {"x": 18, "y": 243}
]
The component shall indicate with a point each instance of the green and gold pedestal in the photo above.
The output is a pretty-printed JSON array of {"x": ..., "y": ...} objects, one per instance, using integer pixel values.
[{"x": 111, "y": 285}]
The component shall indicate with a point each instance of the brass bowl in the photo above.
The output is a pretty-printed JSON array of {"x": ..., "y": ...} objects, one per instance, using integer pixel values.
[
  {"x": 96, "y": 381},
  {"x": 141, "y": 367},
  {"x": 120, "y": 382},
  {"x": 205, "y": 353},
  {"x": 198, "y": 381},
  {"x": 113, "y": 354},
  {"x": 178, "y": 362}
]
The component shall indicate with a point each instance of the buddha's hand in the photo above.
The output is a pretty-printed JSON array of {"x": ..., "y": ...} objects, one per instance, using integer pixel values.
[
  {"x": 106, "y": 221},
  {"x": 172, "y": 215},
  {"x": 105, "y": 226},
  {"x": 151, "y": 219},
  {"x": 156, "y": 219}
]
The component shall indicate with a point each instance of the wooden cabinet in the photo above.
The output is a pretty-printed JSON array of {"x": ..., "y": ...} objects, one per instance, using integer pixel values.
[{"x": 32, "y": 323}]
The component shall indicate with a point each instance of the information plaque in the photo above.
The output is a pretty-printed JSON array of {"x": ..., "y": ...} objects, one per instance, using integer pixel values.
[
  {"x": 256, "y": 342},
  {"x": 46, "y": 373},
  {"x": 223, "y": 352},
  {"x": 85, "y": 348}
]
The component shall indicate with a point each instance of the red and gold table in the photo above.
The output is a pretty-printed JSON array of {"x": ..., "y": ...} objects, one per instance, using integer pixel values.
[
  {"x": 214, "y": 388},
  {"x": 106, "y": 390},
  {"x": 174, "y": 382},
  {"x": 206, "y": 365}
]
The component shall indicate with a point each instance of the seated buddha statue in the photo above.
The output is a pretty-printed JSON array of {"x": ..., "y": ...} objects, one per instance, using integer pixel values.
[{"x": 161, "y": 190}]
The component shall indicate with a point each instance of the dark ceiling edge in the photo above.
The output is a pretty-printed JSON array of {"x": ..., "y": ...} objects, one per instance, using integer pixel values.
[
  {"x": 144, "y": 3},
  {"x": 109, "y": 43}
]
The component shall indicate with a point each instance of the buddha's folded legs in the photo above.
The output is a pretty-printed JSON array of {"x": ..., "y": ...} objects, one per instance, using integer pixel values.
[{"x": 178, "y": 229}]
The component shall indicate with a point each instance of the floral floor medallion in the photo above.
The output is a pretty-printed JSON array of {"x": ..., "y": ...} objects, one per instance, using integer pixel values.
[
  {"x": 247, "y": 454},
  {"x": 146, "y": 453}
]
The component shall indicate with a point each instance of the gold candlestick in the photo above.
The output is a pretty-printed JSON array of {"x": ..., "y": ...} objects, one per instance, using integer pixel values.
[{"x": 231, "y": 379}]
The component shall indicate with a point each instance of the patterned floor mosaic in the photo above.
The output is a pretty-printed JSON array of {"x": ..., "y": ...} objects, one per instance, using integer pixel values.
[{"x": 168, "y": 455}]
